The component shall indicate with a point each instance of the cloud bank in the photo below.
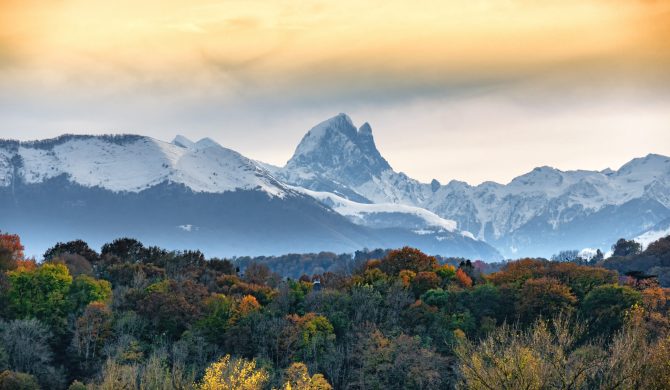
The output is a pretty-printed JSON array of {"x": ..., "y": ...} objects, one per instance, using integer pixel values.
[{"x": 487, "y": 89}]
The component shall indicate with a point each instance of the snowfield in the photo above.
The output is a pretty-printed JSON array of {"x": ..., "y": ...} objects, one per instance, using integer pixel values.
[
  {"x": 203, "y": 166},
  {"x": 650, "y": 236},
  {"x": 359, "y": 211}
]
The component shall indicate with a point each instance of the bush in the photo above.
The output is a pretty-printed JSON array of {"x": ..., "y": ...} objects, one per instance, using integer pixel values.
[{"x": 11, "y": 380}]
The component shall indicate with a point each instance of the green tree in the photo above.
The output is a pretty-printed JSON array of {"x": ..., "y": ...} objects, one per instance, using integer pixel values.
[
  {"x": 217, "y": 319},
  {"x": 544, "y": 297},
  {"x": 76, "y": 247},
  {"x": 126, "y": 249},
  {"x": 40, "y": 293},
  {"x": 625, "y": 247},
  {"x": 314, "y": 334},
  {"x": 85, "y": 289},
  {"x": 605, "y": 307}
]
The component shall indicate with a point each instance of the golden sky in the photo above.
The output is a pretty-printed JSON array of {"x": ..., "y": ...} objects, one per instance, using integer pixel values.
[{"x": 206, "y": 67}]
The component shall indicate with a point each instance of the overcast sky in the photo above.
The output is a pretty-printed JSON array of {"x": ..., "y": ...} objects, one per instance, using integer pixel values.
[{"x": 464, "y": 89}]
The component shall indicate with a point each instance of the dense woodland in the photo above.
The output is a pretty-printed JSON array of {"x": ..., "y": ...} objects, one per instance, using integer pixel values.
[{"x": 137, "y": 317}]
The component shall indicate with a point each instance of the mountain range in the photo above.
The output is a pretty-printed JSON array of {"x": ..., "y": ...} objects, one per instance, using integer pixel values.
[
  {"x": 185, "y": 194},
  {"x": 336, "y": 193},
  {"x": 536, "y": 214}
]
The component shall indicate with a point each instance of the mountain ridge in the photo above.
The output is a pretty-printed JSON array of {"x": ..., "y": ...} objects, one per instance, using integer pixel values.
[
  {"x": 494, "y": 212},
  {"x": 535, "y": 213},
  {"x": 196, "y": 194}
]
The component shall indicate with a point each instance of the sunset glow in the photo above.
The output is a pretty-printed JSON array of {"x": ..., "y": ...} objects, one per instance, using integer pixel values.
[{"x": 300, "y": 61}]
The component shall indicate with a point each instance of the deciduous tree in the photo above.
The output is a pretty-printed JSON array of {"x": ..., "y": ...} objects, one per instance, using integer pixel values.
[{"x": 233, "y": 374}]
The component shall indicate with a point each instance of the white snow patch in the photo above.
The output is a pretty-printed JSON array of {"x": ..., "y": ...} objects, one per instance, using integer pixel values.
[
  {"x": 358, "y": 210},
  {"x": 649, "y": 237},
  {"x": 467, "y": 234},
  {"x": 587, "y": 253},
  {"x": 6, "y": 169},
  {"x": 422, "y": 232}
]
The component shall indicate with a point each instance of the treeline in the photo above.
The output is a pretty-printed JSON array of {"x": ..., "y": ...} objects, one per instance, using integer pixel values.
[
  {"x": 295, "y": 265},
  {"x": 629, "y": 258},
  {"x": 136, "y": 317}
]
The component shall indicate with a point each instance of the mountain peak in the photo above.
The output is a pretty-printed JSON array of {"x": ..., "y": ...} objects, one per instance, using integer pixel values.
[
  {"x": 651, "y": 163},
  {"x": 335, "y": 147},
  {"x": 339, "y": 131},
  {"x": 324, "y": 132},
  {"x": 182, "y": 141},
  {"x": 539, "y": 177},
  {"x": 365, "y": 129},
  {"x": 206, "y": 143}
]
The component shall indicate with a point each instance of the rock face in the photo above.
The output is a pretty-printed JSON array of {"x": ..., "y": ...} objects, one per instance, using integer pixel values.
[
  {"x": 536, "y": 214},
  {"x": 336, "y": 157},
  {"x": 183, "y": 195}
]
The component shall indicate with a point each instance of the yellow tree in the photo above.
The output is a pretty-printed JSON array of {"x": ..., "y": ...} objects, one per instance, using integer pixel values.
[
  {"x": 297, "y": 378},
  {"x": 233, "y": 374}
]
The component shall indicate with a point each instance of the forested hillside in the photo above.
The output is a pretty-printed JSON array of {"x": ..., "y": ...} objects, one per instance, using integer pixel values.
[{"x": 136, "y": 317}]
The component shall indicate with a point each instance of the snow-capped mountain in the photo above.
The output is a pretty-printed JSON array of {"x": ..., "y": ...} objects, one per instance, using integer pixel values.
[
  {"x": 536, "y": 214},
  {"x": 548, "y": 208},
  {"x": 336, "y": 157},
  {"x": 133, "y": 164},
  {"x": 187, "y": 194},
  {"x": 337, "y": 192}
]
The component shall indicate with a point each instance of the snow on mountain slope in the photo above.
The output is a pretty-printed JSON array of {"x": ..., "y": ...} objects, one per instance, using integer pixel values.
[
  {"x": 660, "y": 230},
  {"x": 650, "y": 236},
  {"x": 141, "y": 163},
  {"x": 182, "y": 141},
  {"x": 6, "y": 168},
  {"x": 360, "y": 212},
  {"x": 519, "y": 215},
  {"x": 399, "y": 225},
  {"x": 338, "y": 164},
  {"x": 185, "y": 194},
  {"x": 558, "y": 195}
]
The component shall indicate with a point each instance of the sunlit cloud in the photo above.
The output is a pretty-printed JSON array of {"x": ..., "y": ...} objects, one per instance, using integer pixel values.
[{"x": 242, "y": 71}]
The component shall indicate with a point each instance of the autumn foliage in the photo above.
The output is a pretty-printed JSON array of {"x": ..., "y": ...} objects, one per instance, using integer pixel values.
[
  {"x": 136, "y": 317},
  {"x": 463, "y": 278},
  {"x": 233, "y": 374},
  {"x": 11, "y": 251}
]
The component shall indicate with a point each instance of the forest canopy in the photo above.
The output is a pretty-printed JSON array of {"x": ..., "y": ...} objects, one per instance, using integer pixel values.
[{"x": 138, "y": 317}]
